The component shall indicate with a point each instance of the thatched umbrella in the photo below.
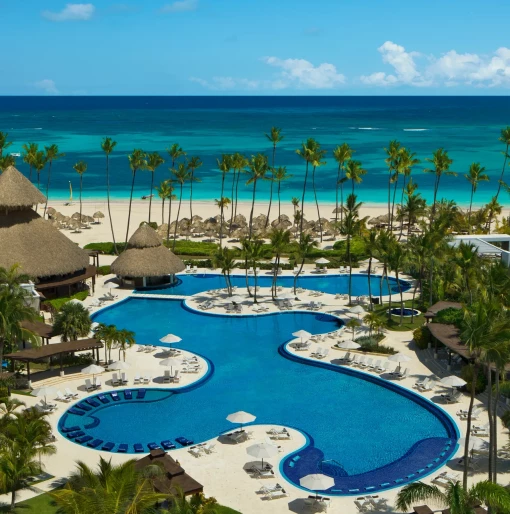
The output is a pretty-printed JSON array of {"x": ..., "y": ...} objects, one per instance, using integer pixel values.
[
  {"x": 146, "y": 256},
  {"x": 98, "y": 215},
  {"x": 17, "y": 192},
  {"x": 76, "y": 216},
  {"x": 51, "y": 211},
  {"x": 239, "y": 219},
  {"x": 337, "y": 210},
  {"x": 196, "y": 219}
]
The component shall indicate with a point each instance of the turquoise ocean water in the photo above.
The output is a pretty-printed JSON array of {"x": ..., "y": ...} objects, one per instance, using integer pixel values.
[{"x": 468, "y": 127}]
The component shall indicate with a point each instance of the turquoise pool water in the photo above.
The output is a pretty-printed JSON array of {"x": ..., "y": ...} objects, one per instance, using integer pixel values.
[
  {"x": 191, "y": 284},
  {"x": 350, "y": 420}
]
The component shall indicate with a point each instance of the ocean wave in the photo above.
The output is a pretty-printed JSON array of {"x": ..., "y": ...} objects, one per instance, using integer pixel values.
[
  {"x": 365, "y": 128},
  {"x": 415, "y": 130},
  {"x": 38, "y": 128}
]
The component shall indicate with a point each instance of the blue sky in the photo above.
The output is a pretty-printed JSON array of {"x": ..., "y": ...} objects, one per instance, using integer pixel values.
[{"x": 283, "y": 47}]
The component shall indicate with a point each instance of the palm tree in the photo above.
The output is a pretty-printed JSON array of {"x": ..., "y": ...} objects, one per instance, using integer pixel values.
[
  {"x": 72, "y": 322},
  {"x": 275, "y": 137},
  {"x": 7, "y": 161},
  {"x": 370, "y": 242},
  {"x": 225, "y": 165},
  {"x": 306, "y": 245},
  {"x": 124, "y": 339},
  {"x": 351, "y": 216},
  {"x": 181, "y": 176},
  {"x": 342, "y": 154},
  {"x": 175, "y": 152},
  {"x": 222, "y": 204},
  {"x": 39, "y": 164},
  {"x": 197, "y": 504},
  {"x": 29, "y": 156},
  {"x": 354, "y": 172},
  {"x": 306, "y": 152},
  {"x": 170, "y": 197},
  {"x": 111, "y": 489},
  {"x": 295, "y": 205},
  {"x": 136, "y": 162},
  {"x": 407, "y": 161},
  {"x": 154, "y": 160},
  {"x": 505, "y": 139},
  {"x": 258, "y": 168},
  {"x": 193, "y": 164},
  {"x": 391, "y": 161},
  {"x": 373, "y": 322},
  {"x": 459, "y": 499},
  {"x": 80, "y": 168},
  {"x": 252, "y": 251},
  {"x": 239, "y": 162},
  {"x": 441, "y": 166},
  {"x": 414, "y": 208},
  {"x": 165, "y": 190},
  {"x": 474, "y": 176},
  {"x": 108, "y": 145},
  {"x": 493, "y": 209},
  {"x": 279, "y": 239},
  {"x": 397, "y": 261},
  {"x": 316, "y": 162},
  {"x": 279, "y": 175},
  {"x": 225, "y": 260},
  {"x": 52, "y": 154},
  {"x": 4, "y": 144}
]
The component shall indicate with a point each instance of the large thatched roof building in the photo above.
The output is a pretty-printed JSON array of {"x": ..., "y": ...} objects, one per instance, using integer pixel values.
[
  {"x": 42, "y": 251},
  {"x": 146, "y": 261}
]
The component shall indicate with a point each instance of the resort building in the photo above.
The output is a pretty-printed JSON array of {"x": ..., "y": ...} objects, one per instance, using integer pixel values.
[
  {"x": 489, "y": 245},
  {"x": 58, "y": 266},
  {"x": 146, "y": 262}
]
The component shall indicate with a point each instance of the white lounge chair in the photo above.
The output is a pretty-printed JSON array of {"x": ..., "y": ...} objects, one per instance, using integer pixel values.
[
  {"x": 62, "y": 398},
  {"x": 123, "y": 378},
  {"x": 88, "y": 385},
  {"x": 452, "y": 397},
  {"x": 210, "y": 448},
  {"x": 274, "y": 495},
  {"x": 376, "y": 365},
  {"x": 137, "y": 379},
  {"x": 318, "y": 351},
  {"x": 474, "y": 415},
  {"x": 189, "y": 369},
  {"x": 402, "y": 375},
  {"x": 166, "y": 376},
  {"x": 176, "y": 378},
  {"x": 70, "y": 393},
  {"x": 196, "y": 451},
  {"x": 115, "y": 379},
  {"x": 301, "y": 347},
  {"x": 323, "y": 354},
  {"x": 481, "y": 431},
  {"x": 147, "y": 379}
]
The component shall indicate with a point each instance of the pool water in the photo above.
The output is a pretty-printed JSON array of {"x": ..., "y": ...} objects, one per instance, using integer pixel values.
[
  {"x": 406, "y": 312},
  {"x": 350, "y": 420},
  {"x": 191, "y": 284}
]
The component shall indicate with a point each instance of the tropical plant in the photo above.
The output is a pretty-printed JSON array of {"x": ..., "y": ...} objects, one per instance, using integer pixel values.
[
  {"x": 197, "y": 504},
  {"x": 295, "y": 204},
  {"x": 342, "y": 154},
  {"x": 52, "y": 154},
  {"x": 29, "y": 155},
  {"x": 493, "y": 209},
  {"x": 108, "y": 145},
  {"x": 370, "y": 240},
  {"x": 6, "y": 162},
  {"x": 458, "y": 498},
  {"x": 239, "y": 162},
  {"x": 39, "y": 164},
  {"x": 305, "y": 246},
  {"x": 373, "y": 322},
  {"x": 354, "y": 172},
  {"x": 353, "y": 324},
  {"x": 258, "y": 168},
  {"x": 279, "y": 239},
  {"x": 307, "y": 153},
  {"x": 252, "y": 251},
  {"x": 351, "y": 216},
  {"x": 193, "y": 164},
  {"x": 137, "y": 161},
  {"x": 474, "y": 176},
  {"x": 275, "y": 137},
  {"x": 391, "y": 161},
  {"x": 165, "y": 192},
  {"x": 280, "y": 175},
  {"x": 181, "y": 176},
  {"x": 505, "y": 139},
  {"x": 397, "y": 260},
  {"x": 175, "y": 152},
  {"x": 80, "y": 168},
  {"x": 111, "y": 489},
  {"x": 225, "y": 165},
  {"x": 407, "y": 161},
  {"x": 224, "y": 258},
  {"x": 222, "y": 203},
  {"x": 4, "y": 144},
  {"x": 72, "y": 322},
  {"x": 441, "y": 163},
  {"x": 154, "y": 161},
  {"x": 316, "y": 162}
]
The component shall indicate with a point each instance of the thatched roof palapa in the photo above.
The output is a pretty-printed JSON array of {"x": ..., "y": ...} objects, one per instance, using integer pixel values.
[
  {"x": 17, "y": 192},
  {"x": 146, "y": 256}
]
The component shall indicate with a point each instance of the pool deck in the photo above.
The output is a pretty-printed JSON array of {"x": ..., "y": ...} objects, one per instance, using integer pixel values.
[{"x": 222, "y": 472}]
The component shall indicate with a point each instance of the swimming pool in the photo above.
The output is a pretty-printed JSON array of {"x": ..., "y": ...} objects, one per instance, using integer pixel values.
[
  {"x": 375, "y": 434},
  {"x": 191, "y": 284}
]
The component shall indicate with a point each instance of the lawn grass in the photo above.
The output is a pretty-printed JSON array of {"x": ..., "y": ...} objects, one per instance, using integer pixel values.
[{"x": 394, "y": 324}]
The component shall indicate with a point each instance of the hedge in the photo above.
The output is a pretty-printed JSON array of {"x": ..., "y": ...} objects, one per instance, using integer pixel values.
[
  {"x": 358, "y": 248},
  {"x": 449, "y": 316},
  {"x": 422, "y": 337},
  {"x": 104, "y": 270},
  {"x": 58, "y": 302}
]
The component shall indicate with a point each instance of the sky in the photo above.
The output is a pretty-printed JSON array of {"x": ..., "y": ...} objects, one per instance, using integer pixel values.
[{"x": 255, "y": 47}]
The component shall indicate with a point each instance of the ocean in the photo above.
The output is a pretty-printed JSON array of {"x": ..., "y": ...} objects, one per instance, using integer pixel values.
[{"x": 468, "y": 127}]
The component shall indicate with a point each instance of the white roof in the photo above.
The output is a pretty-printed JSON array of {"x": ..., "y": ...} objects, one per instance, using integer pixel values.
[{"x": 482, "y": 246}]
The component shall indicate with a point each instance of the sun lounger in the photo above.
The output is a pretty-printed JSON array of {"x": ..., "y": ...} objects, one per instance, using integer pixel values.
[
  {"x": 376, "y": 365},
  {"x": 176, "y": 378},
  {"x": 123, "y": 448},
  {"x": 452, "y": 397},
  {"x": 361, "y": 361},
  {"x": 76, "y": 433},
  {"x": 474, "y": 415},
  {"x": 84, "y": 439},
  {"x": 183, "y": 441},
  {"x": 238, "y": 437},
  {"x": 266, "y": 489},
  {"x": 128, "y": 394},
  {"x": 196, "y": 451},
  {"x": 284, "y": 435},
  {"x": 368, "y": 363},
  {"x": 140, "y": 348},
  {"x": 147, "y": 379},
  {"x": 168, "y": 445},
  {"x": 66, "y": 430},
  {"x": 115, "y": 380},
  {"x": 188, "y": 369},
  {"x": 141, "y": 394},
  {"x": 70, "y": 393},
  {"x": 262, "y": 473},
  {"x": 77, "y": 412},
  {"x": 166, "y": 376},
  {"x": 95, "y": 443},
  {"x": 84, "y": 406},
  {"x": 115, "y": 396},
  {"x": 482, "y": 431},
  {"x": 138, "y": 448},
  {"x": 62, "y": 398},
  {"x": 422, "y": 383},
  {"x": 210, "y": 448},
  {"x": 153, "y": 446},
  {"x": 302, "y": 347},
  {"x": 88, "y": 385},
  {"x": 426, "y": 386},
  {"x": 444, "y": 479},
  {"x": 274, "y": 495},
  {"x": 98, "y": 384},
  {"x": 362, "y": 507},
  {"x": 108, "y": 447},
  {"x": 123, "y": 378},
  {"x": 322, "y": 354},
  {"x": 92, "y": 402},
  {"x": 423, "y": 509},
  {"x": 103, "y": 398}
]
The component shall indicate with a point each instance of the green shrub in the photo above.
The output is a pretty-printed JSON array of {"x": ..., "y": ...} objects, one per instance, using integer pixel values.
[
  {"x": 104, "y": 270},
  {"x": 467, "y": 375},
  {"x": 105, "y": 248},
  {"x": 371, "y": 344},
  {"x": 504, "y": 389},
  {"x": 358, "y": 248},
  {"x": 58, "y": 302},
  {"x": 199, "y": 263},
  {"x": 422, "y": 337},
  {"x": 449, "y": 316},
  {"x": 192, "y": 248},
  {"x": 506, "y": 419}
]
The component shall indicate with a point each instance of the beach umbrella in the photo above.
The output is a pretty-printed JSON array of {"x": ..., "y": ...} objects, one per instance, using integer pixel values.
[
  {"x": 453, "y": 381},
  {"x": 322, "y": 260},
  {"x": 475, "y": 444},
  {"x": 241, "y": 417},
  {"x": 93, "y": 370},
  {"x": 170, "y": 362},
  {"x": 43, "y": 392},
  {"x": 302, "y": 334},
  {"x": 98, "y": 215},
  {"x": 399, "y": 357},
  {"x": 349, "y": 345},
  {"x": 337, "y": 210},
  {"x": 357, "y": 309},
  {"x": 119, "y": 366},
  {"x": 286, "y": 296},
  {"x": 317, "y": 482},
  {"x": 262, "y": 451},
  {"x": 367, "y": 261},
  {"x": 110, "y": 285},
  {"x": 236, "y": 299},
  {"x": 170, "y": 338}
]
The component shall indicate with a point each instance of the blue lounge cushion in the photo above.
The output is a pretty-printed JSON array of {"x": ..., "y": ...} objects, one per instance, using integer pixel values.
[
  {"x": 92, "y": 402},
  {"x": 108, "y": 447},
  {"x": 141, "y": 394},
  {"x": 84, "y": 406},
  {"x": 84, "y": 439},
  {"x": 115, "y": 397},
  {"x": 183, "y": 441},
  {"x": 95, "y": 443},
  {"x": 138, "y": 448},
  {"x": 70, "y": 429},
  {"x": 78, "y": 433},
  {"x": 103, "y": 398},
  {"x": 123, "y": 448},
  {"x": 153, "y": 446},
  {"x": 77, "y": 412},
  {"x": 128, "y": 394},
  {"x": 168, "y": 445}
]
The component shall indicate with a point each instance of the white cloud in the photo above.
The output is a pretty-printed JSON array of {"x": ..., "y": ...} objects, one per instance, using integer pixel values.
[
  {"x": 451, "y": 69},
  {"x": 48, "y": 86},
  {"x": 226, "y": 83},
  {"x": 71, "y": 12},
  {"x": 304, "y": 75},
  {"x": 180, "y": 6}
]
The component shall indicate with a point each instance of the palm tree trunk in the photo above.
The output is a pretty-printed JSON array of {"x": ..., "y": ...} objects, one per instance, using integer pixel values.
[
  {"x": 163, "y": 212},
  {"x": 394, "y": 197},
  {"x": 431, "y": 272},
  {"x": 495, "y": 430},
  {"x": 81, "y": 187},
  {"x": 47, "y": 189},
  {"x": 381, "y": 284},
  {"x": 246, "y": 276},
  {"x": 177, "y": 220},
  {"x": 297, "y": 274},
  {"x": 316, "y": 201},
  {"x": 389, "y": 198},
  {"x": 232, "y": 211},
  {"x": 108, "y": 202},
  {"x": 491, "y": 420},
  {"x": 150, "y": 197},
  {"x": 468, "y": 427},
  {"x": 279, "y": 202},
  {"x": 192, "y": 177},
  {"x": 341, "y": 204},
  {"x": 470, "y": 206},
  {"x": 13, "y": 499},
  {"x": 130, "y": 202},
  {"x": 371, "y": 307},
  {"x": 350, "y": 266},
  {"x": 221, "y": 208},
  {"x": 271, "y": 189},
  {"x": 252, "y": 207},
  {"x": 237, "y": 190},
  {"x": 389, "y": 294},
  {"x": 502, "y": 173},
  {"x": 336, "y": 192},
  {"x": 401, "y": 299},
  {"x": 254, "y": 265},
  {"x": 303, "y": 204},
  {"x": 169, "y": 219}
]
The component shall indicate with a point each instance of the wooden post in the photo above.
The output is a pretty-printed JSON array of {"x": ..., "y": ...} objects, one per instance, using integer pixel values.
[{"x": 28, "y": 370}]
